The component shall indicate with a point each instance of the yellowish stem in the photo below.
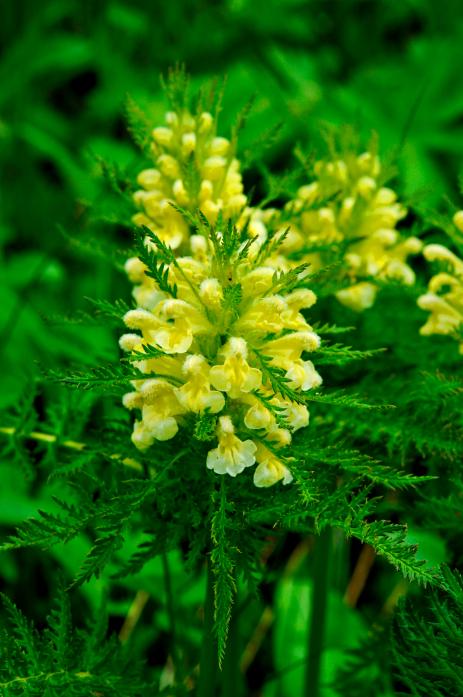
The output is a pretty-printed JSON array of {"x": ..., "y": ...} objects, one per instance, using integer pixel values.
[
  {"x": 360, "y": 576},
  {"x": 74, "y": 445},
  {"x": 133, "y": 615}
]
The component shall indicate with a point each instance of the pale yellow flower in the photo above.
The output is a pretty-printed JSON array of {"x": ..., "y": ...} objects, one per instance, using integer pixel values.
[
  {"x": 232, "y": 455},
  {"x": 444, "y": 299},
  {"x": 221, "y": 347},
  {"x": 159, "y": 407},
  {"x": 270, "y": 469},
  {"x": 196, "y": 394},
  {"x": 235, "y": 376},
  {"x": 194, "y": 168},
  {"x": 347, "y": 205}
]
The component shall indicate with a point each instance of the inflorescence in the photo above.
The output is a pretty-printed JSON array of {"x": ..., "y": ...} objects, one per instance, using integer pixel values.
[
  {"x": 230, "y": 349},
  {"x": 195, "y": 169},
  {"x": 221, "y": 288},
  {"x": 347, "y": 207},
  {"x": 444, "y": 299}
]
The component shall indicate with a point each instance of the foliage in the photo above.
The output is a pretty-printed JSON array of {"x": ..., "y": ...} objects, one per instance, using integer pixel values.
[
  {"x": 427, "y": 644},
  {"x": 379, "y": 464},
  {"x": 61, "y": 657}
]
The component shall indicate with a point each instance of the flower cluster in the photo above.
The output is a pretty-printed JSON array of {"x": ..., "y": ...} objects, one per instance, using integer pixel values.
[
  {"x": 444, "y": 299},
  {"x": 218, "y": 334},
  {"x": 347, "y": 207},
  {"x": 225, "y": 341},
  {"x": 194, "y": 169}
]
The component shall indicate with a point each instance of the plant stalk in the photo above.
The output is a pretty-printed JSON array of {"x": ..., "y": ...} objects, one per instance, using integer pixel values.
[
  {"x": 320, "y": 588},
  {"x": 74, "y": 445},
  {"x": 171, "y": 612},
  {"x": 231, "y": 676},
  {"x": 208, "y": 663}
]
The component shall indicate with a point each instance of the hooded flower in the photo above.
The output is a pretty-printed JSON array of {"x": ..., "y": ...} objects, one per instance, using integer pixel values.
[
  {"x": 193, "y": 168},
  {"x": 270, "y": 469},
  {"x": 159, "y": 407},
  {"x": 444, "y": 299},
  {"x": 347, "y": 210},
  {"x": 225, "y": 337},
  {"x": 232, "y": 455}
]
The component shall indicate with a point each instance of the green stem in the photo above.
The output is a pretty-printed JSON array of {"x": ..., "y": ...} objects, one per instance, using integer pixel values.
[
  {"x": 320, "y": 588},
  {"x": 340, "y": 562},
  {"x": 171, "y": 613},
  {"x": 208, "y": 660},
  {"x": 231, "y": 677}
]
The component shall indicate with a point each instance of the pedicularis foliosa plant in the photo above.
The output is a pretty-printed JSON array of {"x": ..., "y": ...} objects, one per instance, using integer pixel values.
[{"x": 248, "y": 420}]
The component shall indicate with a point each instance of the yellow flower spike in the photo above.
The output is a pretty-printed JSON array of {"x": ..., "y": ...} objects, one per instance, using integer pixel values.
[
  {"x": 286, "y": 354},
  {"x": 386, "y": 197},
  {"x": 348, "y": 202},
  {"x": 214, "y": 168},
  {"x": 235, "y": 376},
  {"x": 164, "y": 365},
  {"x": 232, "y": 455},
  {"x": 258, "y": 417},
  {"x": 444, "y": 318},
  {"x": 211, "y": 209},
  {"x": 147, "y": 295},
  {"x": 200, "y": 249},
  {"x": 187, "y": 275},
  {"x": 196, "y": 394},
  {"x": 194, "y": 168},
  {"x": 256, "y": 228},
  {"x": 174, "y": 325},
  {"x": 227, "y": 344},
  {"x": 437, "y": 283},
  {"x": 180, "y": 193},
  {"x": 444, "y": 299},
  {"x": 206, "y": 190}
]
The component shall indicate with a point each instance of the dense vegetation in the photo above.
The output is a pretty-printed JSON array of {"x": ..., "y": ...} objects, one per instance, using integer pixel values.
[{"x": 316, "y": 215}]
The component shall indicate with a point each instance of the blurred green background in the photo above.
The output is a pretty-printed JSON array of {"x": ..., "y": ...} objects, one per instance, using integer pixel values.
[{"x": 66, "y": 69}]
